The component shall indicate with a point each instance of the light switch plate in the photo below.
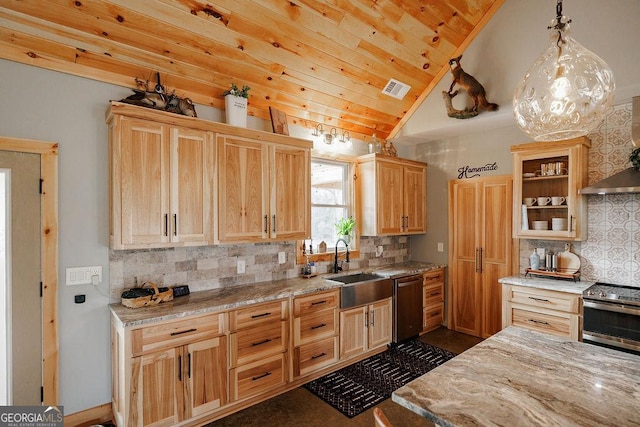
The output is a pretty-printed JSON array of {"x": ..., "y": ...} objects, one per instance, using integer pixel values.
[
  {"x": 84, "y": 275},
  {"x": 242, "y": 266},
  {"x": 440, "y": 247},
  {"x": 282, "y": 257}
]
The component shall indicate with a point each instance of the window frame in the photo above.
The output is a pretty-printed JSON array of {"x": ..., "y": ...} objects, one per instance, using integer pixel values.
[{"x": 353, "y": 197}]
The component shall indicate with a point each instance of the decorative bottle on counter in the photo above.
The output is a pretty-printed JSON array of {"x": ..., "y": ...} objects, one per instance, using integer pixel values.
[{"x": 534, "y": 260}]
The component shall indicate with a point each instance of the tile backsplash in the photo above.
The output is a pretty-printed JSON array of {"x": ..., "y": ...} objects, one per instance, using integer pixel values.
[
  {"x": 211, "y": 267},
  {"x": 611, "y": 252}
]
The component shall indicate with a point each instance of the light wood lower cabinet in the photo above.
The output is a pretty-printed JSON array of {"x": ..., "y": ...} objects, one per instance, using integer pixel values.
[
  {"x": 258, "y": 342},
  {"x": 167, "y": 373},
  {"x": 315, "y": 332},
  {"x": 433, "y": 299},
  {"x": 553, "y": 312},
  {"x": 365, "y": 327},
  {"x": 200, "y": 368}
]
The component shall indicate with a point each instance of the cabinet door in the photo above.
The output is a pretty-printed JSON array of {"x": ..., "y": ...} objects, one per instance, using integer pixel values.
[
  {"x": 380, "y": 328},
  {"x": 206, "y": 376},
  {"x": 495, "y": 249},
  {"x": 144, "y": 166},
  {"x": 290, "y": 193},
  {"x": 390, "y": 192},
  {"x": 353, "y": 332},
  {"x": 156, "y": 389},
  {"x": 242, "y": 190},
  {"x": 530, "y": 163},
  {"x": 191, "y": 171},
  {"x": 415, "y": 200},
  {"x": 464, "y": 200}
]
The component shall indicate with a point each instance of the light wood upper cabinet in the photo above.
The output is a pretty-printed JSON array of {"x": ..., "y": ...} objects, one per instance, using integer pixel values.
[
  {"x": 530, "y": 182},
  {"x": 263, "y": 191},
  {"x": 481, "y": 252},
  {"x": 172, "y": 184},
  {"x": 161, "y": 184},
  {"x": 393, "y": 194}
]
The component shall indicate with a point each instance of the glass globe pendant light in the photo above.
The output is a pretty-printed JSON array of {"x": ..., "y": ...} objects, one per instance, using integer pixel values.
[{"x": 567, "y": 92}]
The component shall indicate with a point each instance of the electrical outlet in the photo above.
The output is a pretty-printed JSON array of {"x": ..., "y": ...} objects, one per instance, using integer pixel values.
[
  {"x": 440, "y": 247},
  {"x": 282, "y": 257},
  {"x": 242, "y": 266},
  {"x": 379, "y": 251},
  {"x": 84, "y": 275}
]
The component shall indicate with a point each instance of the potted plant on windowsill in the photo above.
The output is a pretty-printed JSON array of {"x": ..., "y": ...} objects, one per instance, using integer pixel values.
[
  {"x": 235, "y": 105},
  {"x": 345, "y": 228}
]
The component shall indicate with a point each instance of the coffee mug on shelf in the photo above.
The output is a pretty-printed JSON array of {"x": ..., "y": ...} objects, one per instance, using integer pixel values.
[
  {"x": 529, "y": 201},
  {"x": 543, "y": 201},
  {"x": 556, "y": 201}
]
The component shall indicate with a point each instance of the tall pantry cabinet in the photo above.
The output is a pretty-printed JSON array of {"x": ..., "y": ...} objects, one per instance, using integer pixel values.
[{"x": 480, "y": 252}]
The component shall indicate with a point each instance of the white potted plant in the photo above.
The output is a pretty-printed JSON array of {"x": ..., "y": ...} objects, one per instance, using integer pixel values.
[{"x": 235, "y": 105}]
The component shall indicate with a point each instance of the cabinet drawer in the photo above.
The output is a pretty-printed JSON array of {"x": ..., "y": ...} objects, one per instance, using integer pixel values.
[
  {"x": 433, "y": 277},
  {"x": 253, "y": 315},
  {"x": 176, "y": 333},
  {"x": 316, "y": 355},
  {"x": 257, "y": 377},
  {"x": 433, "y": 294},
  {"x": 314, "y": 326},
  {"x": 313, "y": 303},
  {"x": 542, "y": 298},
  {"x": 432, "y": 317},
  {"x": 255, "y": 343},
  {"x": 543, "y": 322}
]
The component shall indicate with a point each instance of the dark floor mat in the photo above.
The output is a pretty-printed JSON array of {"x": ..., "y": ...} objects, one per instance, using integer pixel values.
[{"x": 358, "y": 387}]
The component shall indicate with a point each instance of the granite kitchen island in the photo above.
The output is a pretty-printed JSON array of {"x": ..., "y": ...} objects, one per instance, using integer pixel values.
[{"x": 520, "y": 377}]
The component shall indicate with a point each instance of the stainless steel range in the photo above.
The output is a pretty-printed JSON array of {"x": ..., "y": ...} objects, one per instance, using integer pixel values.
[{"x": 612, "y": 316}]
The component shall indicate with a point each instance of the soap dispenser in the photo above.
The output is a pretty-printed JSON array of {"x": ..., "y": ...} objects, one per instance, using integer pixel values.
[{"x": 534, "y": 260}]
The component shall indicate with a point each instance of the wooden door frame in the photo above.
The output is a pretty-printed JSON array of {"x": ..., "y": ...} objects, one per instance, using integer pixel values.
[{"x": 48, "y": 152}]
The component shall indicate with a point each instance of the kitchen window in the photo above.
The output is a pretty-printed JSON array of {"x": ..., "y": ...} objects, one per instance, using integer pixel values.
[{"x": 332, "y": 198}]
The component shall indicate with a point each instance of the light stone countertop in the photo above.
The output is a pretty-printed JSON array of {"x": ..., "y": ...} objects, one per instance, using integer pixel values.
[
  {"x": 520, "y": 377},
  {"x": 549, "y": 284},
  {"x": 236, "y": 296}
]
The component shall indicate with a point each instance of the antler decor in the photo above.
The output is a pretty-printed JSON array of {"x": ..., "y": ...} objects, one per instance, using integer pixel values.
[{"x": 158, "y": 99}]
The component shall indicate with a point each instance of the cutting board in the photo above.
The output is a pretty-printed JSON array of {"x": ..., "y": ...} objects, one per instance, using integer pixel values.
[{"x": 568, "y": 262}]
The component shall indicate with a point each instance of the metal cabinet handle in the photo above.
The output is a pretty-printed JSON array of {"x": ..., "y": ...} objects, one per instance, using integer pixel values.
[
  {"x": 173, "y": 334},
  {"x": 261, "y": 342},
  {"x": 175, "y": 224},
  {"x": 266, "y": 374},
  {"x": 571, "y": 223},
  {"x": 476, "y": 261},
  {"x": 481, "y": 250},
  {"x": 255, "y": 316},
  {"x": 274, "y": 224},
  {"x": 324, "y": 301},
  {"x": 322, "y": 325},
  {"x": 539, "y": 299},
  {"x": 166, "y": 224},
  {"x": 179, "y": 368},
  {"x": 189, "y": 365},
  {"x": 318, "y": 355},
  {"x": 539, "y": 322},
  {"x": 266, "y": 223},
  {"x": 373, "y": 318}
]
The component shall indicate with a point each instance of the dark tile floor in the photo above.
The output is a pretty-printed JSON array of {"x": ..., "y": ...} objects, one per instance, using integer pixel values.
[{"x": 299, "y": 407}]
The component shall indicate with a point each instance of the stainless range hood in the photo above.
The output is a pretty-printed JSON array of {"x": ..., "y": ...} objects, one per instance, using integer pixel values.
[{"x": 627, "y": 181}]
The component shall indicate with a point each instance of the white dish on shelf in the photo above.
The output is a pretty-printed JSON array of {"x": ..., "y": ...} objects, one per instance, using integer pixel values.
[
  {"x": 529, "y": 174},
  {"x": 540, "y": 225}
]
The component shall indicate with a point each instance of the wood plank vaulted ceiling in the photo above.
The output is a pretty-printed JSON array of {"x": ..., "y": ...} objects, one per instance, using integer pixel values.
[{"x": 318, "y": 61}]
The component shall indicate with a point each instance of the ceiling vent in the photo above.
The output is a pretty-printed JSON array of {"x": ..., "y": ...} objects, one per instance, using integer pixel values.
[{"x": 396, "y": 89}]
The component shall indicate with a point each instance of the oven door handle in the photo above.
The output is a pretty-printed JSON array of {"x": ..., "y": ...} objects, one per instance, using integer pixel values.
[{"x": 618, "y": 308}]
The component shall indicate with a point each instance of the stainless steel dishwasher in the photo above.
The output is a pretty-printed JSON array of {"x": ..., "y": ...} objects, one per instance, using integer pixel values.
[{"x": 407, "y": 307}]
